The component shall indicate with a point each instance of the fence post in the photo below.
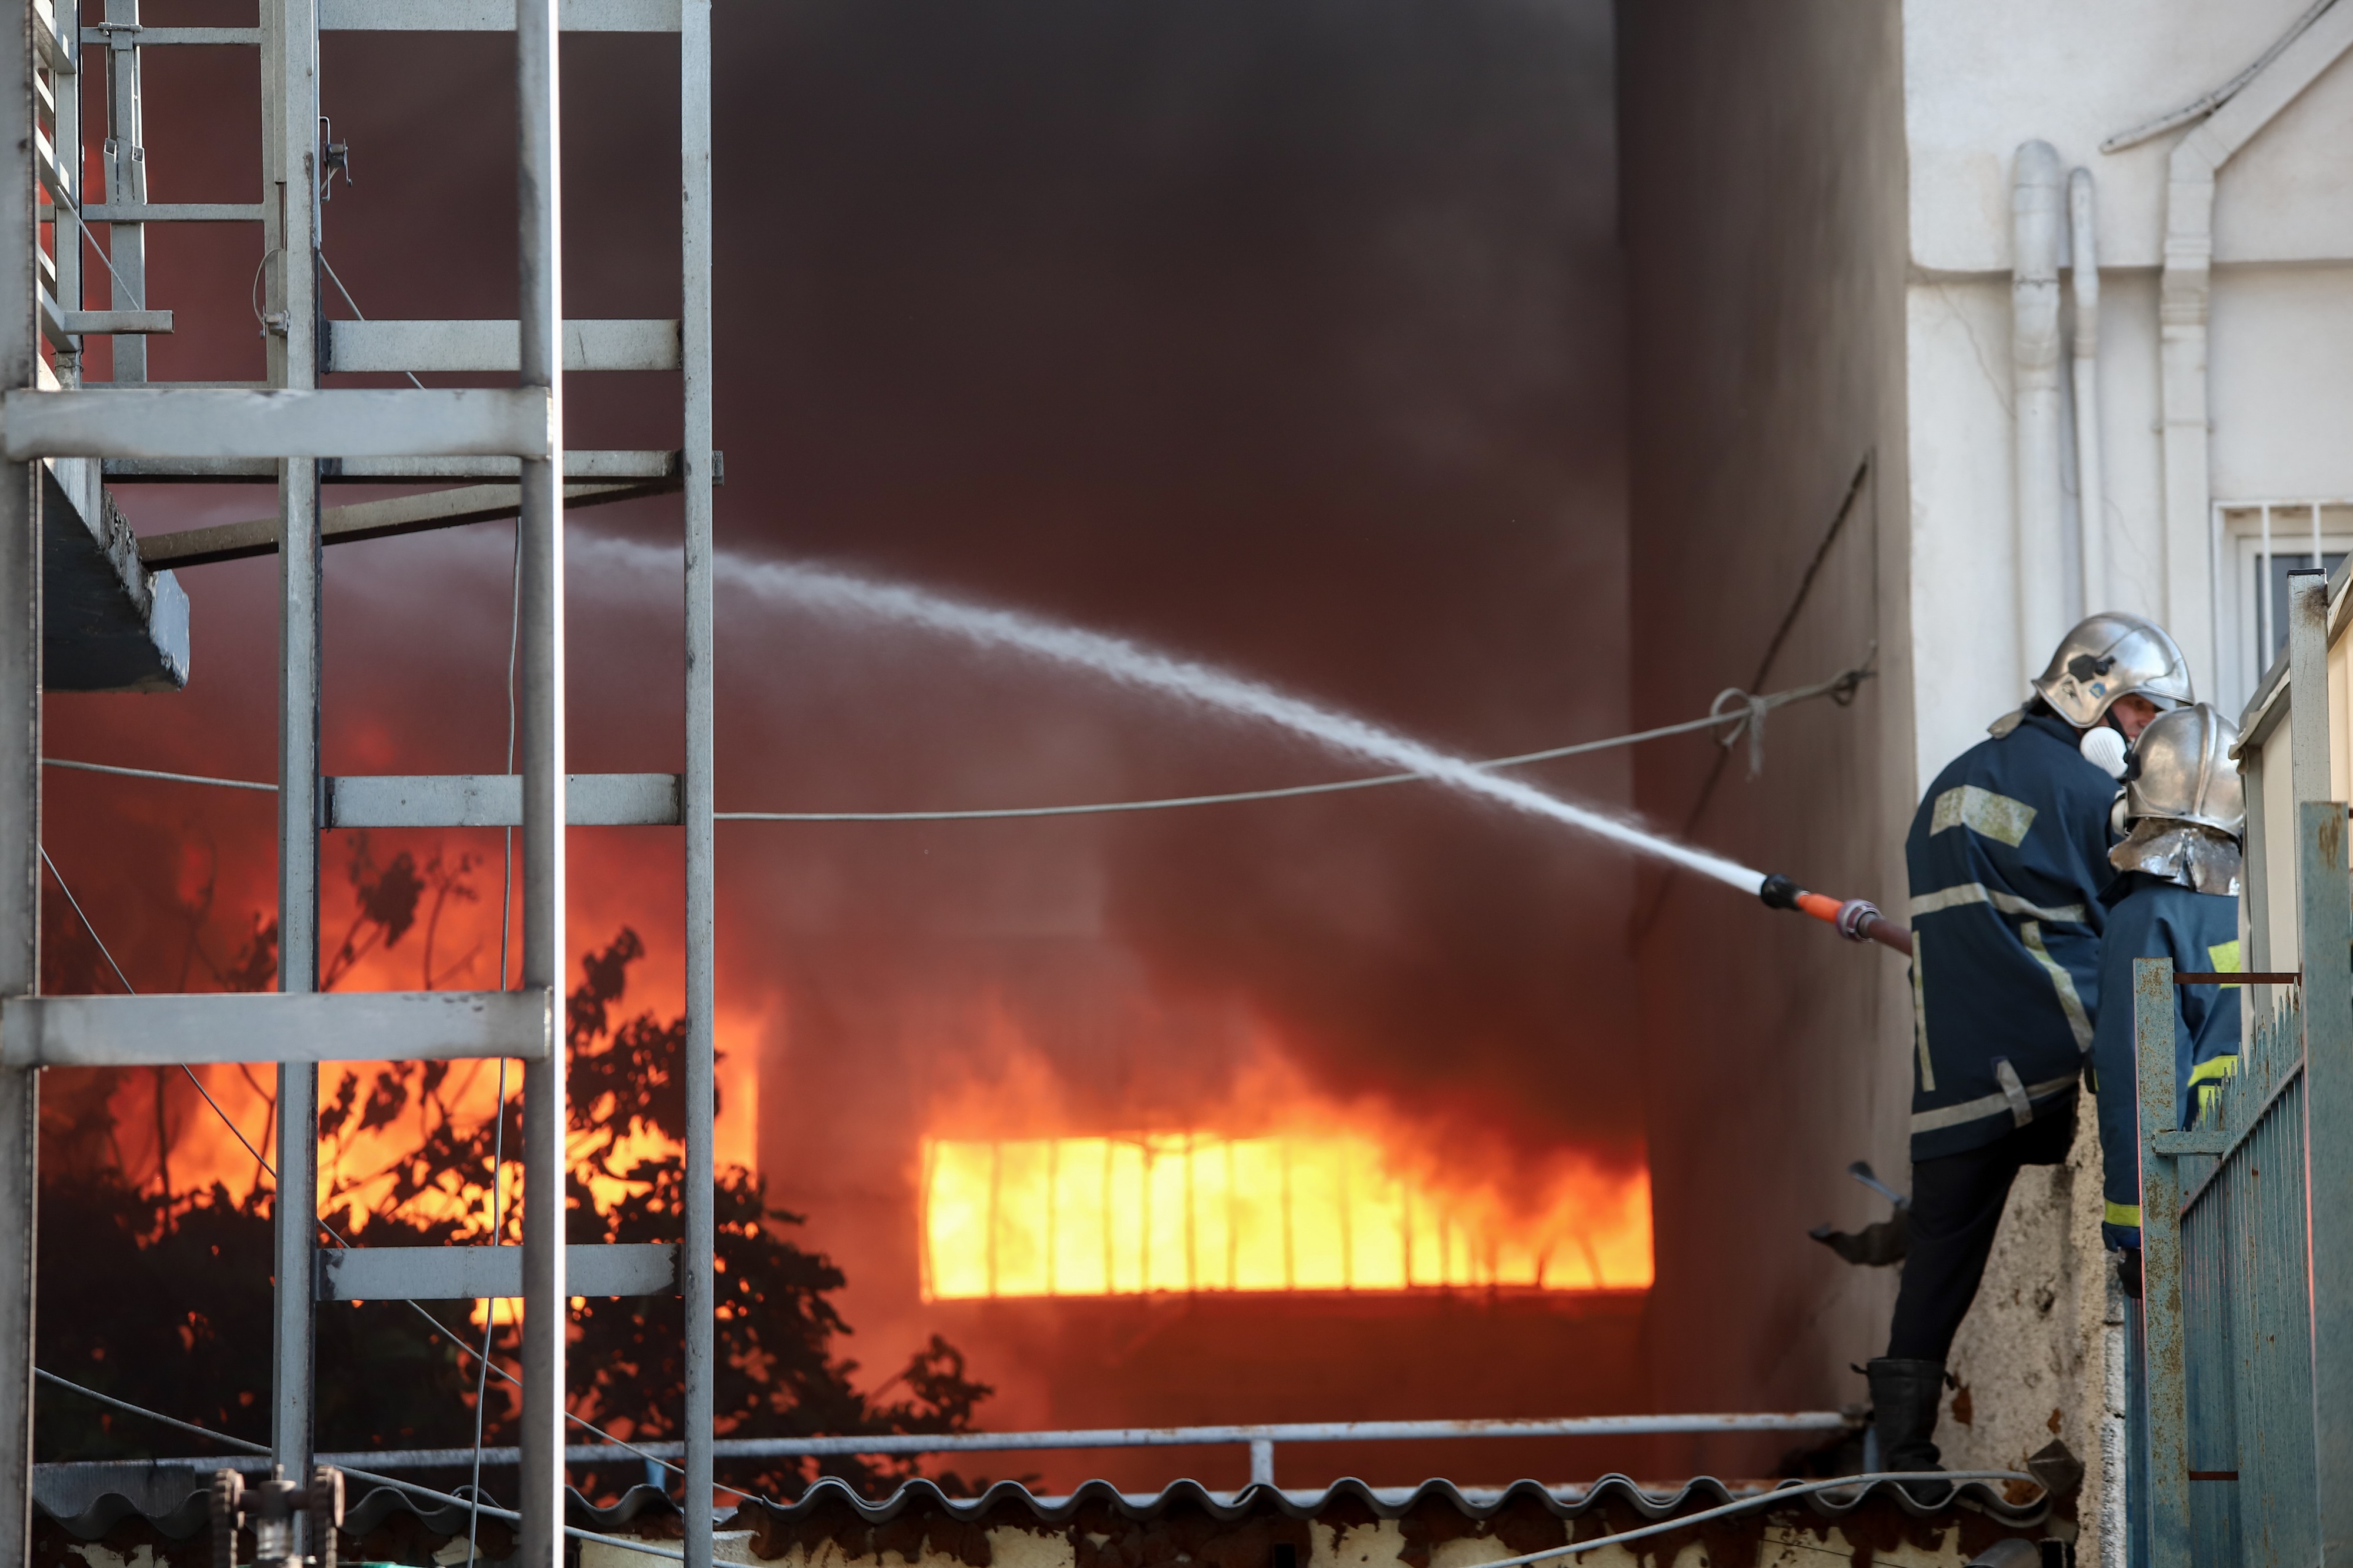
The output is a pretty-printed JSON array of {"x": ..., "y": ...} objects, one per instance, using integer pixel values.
[
  {"x": 1261, "y": 1461},
  {"x": 2327, "y": 947},
  {"x": 2326, "y": 944},
  {"x": 2160, "y": 1243}
]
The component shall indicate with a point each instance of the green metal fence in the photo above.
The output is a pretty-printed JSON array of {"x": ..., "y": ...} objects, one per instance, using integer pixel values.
[{"x": 2247, "y": 1231}]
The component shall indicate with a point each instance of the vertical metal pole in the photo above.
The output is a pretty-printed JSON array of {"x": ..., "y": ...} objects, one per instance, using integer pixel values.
[
  {"x": 126, "y": 181},
  {"x": 20, "y": 802},
  {"x": 65, "y": 238},
  {"x": 2325, "y": 941},
  {"x": 293, "y": 193},
  {"x": 700, "y": 1302},
  {"x": 2115, "y": 1533},
  {"x": 273, "y": 179},
  {"x": 2327, "y": 915},
  {"x": 539, "y": 199},
  {"x": 2307, "y": 672},
  {"x": 2160, "y": 1241}
]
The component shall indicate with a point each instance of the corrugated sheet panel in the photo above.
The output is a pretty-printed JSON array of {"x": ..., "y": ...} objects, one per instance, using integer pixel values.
[{"x": 1108, "y": 1529}]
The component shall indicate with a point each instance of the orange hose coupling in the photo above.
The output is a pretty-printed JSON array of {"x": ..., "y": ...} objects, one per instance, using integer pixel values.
[{"x": 1857, "y": 920}]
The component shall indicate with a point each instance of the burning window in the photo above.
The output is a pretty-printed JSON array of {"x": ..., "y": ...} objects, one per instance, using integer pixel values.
[{"x": 1183, "y": 1211}]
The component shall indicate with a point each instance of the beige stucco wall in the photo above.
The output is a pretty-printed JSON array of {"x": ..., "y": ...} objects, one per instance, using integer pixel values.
[{"x": 2029, "y": 1354}]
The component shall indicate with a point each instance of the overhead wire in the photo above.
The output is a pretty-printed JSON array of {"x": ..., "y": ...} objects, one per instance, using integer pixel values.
[
  {"x": 354, "y": 304},
  {"x": 1742, "y": 713},
  {"x": 499, "y": 1117},
  {"x": 1778, "y": 1496},
  {"x": 75, "y": 904},
  {"x": 108, "y": 261},
  {"x": 1744, "y": 716},
  {"x": 371, "y": 1476},
  {"x": 158, "y": 773}
]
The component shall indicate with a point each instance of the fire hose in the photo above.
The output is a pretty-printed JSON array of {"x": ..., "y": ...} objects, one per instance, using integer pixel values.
[{"x": 1857, "y": 920}]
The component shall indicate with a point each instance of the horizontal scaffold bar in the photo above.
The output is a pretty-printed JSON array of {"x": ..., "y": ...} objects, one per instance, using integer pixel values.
[
  {"x": 494, "y": 346},
  {"x": 478, "y": 1273},
  {"x": 578, "y": 465},
  {"x": 493, "y": 15},
  {"x": 495, "y": 800},
  {"x": 270, "y": 1026},
  {"x": 110, "y": 323},
  {"x": 1131, "y": 1438},
  {"x": 170, "y": 212},
  {"x": 127, "y": 35},
  {"x": 206, "y": 423}
]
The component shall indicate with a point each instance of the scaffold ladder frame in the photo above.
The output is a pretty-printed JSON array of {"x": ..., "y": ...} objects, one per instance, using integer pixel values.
[{"x": 139, "y": 428}]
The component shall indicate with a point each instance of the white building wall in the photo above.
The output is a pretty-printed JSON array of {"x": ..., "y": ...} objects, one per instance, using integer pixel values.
[
  {"x": 1980, "y": 80},
  {"x": 1981, "y": 77}
]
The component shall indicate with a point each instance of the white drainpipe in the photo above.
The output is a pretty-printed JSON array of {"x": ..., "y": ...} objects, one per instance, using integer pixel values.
[
  {"x": 2037, "y": 214},
  {"x": 2183, "y": 292},
  {"x": 2090, "y": 488},
  {"x": 2192, "y": 572}
]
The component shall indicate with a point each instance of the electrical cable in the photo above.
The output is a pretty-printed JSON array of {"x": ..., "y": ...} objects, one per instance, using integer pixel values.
[
  {"x": 1777, "y": 1496},
  {"x": 411, "y": 375},
  {"x": 499, "y": 1115},
  {"x": 1743, "y": 716},
  {"x": 372, "y": 1477},
  {"x": 75, "y": 212},
  {"x": 75, "y": 904},
  {"x": 158, "y": 773}
]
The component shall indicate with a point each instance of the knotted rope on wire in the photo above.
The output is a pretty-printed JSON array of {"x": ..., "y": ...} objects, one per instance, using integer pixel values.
[{"x": 1746, "y": 713}]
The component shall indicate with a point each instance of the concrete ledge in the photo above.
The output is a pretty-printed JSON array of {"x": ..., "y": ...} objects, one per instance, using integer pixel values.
[{"x": 108, "y": 623}]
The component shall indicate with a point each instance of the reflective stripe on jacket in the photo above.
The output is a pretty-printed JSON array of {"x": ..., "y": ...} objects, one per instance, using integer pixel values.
[
  {"x": 2008, "y": 854},
  {"x": 2199, "y": 931}
]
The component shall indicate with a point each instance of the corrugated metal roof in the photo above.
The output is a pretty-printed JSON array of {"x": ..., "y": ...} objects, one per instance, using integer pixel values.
[{"x": 1109, "y": 1529}]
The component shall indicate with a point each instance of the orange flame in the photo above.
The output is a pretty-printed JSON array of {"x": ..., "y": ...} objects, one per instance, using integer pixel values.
[{"x": 1303, "y": 1210}]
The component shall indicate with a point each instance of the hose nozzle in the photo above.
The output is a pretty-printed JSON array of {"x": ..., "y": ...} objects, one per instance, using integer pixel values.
[{"x": 1857, "y": 920}]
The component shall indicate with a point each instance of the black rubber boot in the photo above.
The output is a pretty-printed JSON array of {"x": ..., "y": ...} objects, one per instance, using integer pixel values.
[{"x": 1905, "y": 1397}]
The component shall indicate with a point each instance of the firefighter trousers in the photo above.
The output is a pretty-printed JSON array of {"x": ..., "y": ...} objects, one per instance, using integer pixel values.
[{"x": 1956, "y": 1204}]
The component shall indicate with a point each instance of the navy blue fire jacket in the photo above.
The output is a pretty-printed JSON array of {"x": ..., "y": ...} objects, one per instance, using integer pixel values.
[
  {"x": 2008, "y": 855},
  {"x": 2199, "y": 931}
]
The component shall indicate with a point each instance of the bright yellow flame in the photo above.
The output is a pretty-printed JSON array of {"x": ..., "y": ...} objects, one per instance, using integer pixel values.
[{"x": 1184, "y": 1212}]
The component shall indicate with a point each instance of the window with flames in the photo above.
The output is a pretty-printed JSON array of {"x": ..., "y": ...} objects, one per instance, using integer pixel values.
[{"x": 1198, "y": 1212}]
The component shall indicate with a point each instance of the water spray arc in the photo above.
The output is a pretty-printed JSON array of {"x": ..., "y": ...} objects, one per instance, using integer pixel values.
[{"x": 1129, "y": 664}]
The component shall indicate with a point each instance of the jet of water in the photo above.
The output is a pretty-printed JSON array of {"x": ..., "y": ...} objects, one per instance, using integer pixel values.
[{"x": 1130, "y": 664}]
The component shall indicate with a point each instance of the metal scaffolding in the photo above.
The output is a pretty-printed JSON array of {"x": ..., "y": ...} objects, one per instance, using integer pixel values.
[{"x": 499, "y": 453}]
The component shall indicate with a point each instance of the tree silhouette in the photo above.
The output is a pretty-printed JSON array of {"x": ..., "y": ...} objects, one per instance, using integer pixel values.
[{"x": 162, "y": 1297}]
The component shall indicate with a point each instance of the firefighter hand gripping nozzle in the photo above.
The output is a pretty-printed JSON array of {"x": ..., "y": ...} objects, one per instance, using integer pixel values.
[{"x": 1857, "y": 920}]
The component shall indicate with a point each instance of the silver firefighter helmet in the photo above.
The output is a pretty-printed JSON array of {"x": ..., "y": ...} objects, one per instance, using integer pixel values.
[
  {"x": 2183, "y": 770},
  {"x": 2107, "y": 655}
]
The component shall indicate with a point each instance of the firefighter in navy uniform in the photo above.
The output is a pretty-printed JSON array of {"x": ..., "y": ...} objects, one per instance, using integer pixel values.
[
  {"x": 2008, "y": 855},
  {"x": 2177, "y": 897}
]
